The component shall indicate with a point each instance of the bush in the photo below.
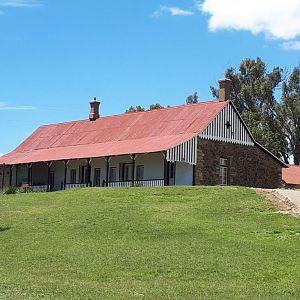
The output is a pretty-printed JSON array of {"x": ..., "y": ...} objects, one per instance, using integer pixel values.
[
  {"x": 10, "y": 190},
  {"x": 137, "y": 185}
]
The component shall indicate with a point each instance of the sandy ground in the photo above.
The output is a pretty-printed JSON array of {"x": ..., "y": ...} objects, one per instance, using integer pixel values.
[
  {"x": 292, "y": 195},
  {"x": 287, "y": 201}
]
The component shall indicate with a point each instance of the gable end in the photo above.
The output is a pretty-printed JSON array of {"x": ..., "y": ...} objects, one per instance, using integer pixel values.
[{"x": 228, "y": 127}]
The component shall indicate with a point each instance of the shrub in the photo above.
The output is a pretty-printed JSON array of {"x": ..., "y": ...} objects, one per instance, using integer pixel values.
[
  {"x": 137, "y": 185},
  {"x": 10, "y": 190}
]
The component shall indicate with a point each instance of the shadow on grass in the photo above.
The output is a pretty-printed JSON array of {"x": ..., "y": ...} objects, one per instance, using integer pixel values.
[{"x": 2, "y": 229}]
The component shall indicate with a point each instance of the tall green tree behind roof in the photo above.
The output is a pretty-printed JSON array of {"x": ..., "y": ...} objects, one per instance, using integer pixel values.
[
  {"x": 290, "y": 113},
  {"x": 253, "y": 93}
]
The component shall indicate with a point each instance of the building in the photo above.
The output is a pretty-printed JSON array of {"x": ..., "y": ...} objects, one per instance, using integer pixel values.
[
  {"x": 291, "y": 176},
  {"x": 200, "y": 144}
]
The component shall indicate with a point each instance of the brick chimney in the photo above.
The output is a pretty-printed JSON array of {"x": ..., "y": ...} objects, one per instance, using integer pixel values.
[
  {"x": 94, "y": 113},
  {"x": 224, "y": 89}
]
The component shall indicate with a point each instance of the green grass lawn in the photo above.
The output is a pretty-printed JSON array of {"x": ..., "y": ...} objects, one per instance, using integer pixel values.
[{"x": 138, "y": 243}]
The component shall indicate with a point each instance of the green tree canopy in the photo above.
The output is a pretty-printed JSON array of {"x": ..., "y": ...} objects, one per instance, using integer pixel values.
[
  {"x": 138, "y": 108},
  {"x": 289, "y": 113},
  {"x": 192, "y": 99},
  {"x": 132, "y": 109},
  {"x": 253, "y": 94},
  {"x": 155, "y": 106}
]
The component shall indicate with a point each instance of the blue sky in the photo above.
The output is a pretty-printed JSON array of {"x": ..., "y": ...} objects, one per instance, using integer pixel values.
[{"x": 56, "y": 55}]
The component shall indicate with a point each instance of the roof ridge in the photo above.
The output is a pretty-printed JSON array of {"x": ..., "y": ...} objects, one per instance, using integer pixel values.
[{"x": 136, "y": 112}]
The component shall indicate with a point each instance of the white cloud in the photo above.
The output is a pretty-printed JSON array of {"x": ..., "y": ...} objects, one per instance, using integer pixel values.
[
  {"x": 279, "y": 19},
  {"x": 174, "y": 11},
  {"x": 6, "y": 106},
  {"x": 20, "y": 3},
  {"x": 291, "y": 45},
  {"x": 1, "y": 154}
]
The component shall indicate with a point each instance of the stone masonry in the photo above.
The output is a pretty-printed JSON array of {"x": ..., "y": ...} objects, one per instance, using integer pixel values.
[{"x": 247, "y": 165}]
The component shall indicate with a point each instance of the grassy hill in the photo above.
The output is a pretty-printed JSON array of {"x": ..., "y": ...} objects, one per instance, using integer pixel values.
[{"x": 137, "y": 243}]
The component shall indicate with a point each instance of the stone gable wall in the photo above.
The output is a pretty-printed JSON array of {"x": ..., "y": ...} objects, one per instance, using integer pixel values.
[{"x": 247, "y": 165}]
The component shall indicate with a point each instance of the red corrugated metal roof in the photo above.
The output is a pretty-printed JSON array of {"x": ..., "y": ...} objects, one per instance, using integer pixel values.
[
  {"x": 291, "y": 175},
  {"x": 134, "y": 133}
]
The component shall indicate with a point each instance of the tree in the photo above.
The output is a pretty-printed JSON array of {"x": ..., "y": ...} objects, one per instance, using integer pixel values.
[
  {"x": 192, "y": 99},
  {"x": 155, "y": 106},
  {"x": 253, "y": 94},
  {"x": 139, "y": 108},
  {"x": 289, "y": 113},
  {"x": 132, "y": 109}
]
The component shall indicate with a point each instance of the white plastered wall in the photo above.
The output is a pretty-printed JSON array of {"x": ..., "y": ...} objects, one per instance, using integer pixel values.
[
  {"x": 184, "y": 174},
  {"x": 153, "y": 169},
  {"x": 153, "y": 165},
  {"x": 58, "y": 169}
]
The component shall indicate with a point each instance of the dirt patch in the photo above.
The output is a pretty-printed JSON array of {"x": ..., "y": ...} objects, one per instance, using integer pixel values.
[{"x": 283, "y": 204}]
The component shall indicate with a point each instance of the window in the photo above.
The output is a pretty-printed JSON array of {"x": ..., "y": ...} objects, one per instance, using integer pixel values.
[
  {"x": 228, "y": 125},
  {"x": 97, "y": 177},
  {"x": 73, "y": 176},
  {"x": 112, "y": 174},
  {"x": 127, "y": 172},
  {"x": 140, "y": 172},
  {"x": 223, "y": 171}
]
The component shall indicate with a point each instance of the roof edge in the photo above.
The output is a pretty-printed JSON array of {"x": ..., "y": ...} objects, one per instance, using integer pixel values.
[
  {"x": 271, "y": 154},
  {"x": 255, "y": 142}
]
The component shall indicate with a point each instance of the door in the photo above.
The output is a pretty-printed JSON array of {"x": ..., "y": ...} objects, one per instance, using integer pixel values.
[
  {"x": 51, "y": 181},
  {"x": 97, "y": 177}
]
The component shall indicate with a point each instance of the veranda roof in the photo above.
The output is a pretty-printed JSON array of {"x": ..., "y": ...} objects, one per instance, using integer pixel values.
[{"x": 133, "y": 133}]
